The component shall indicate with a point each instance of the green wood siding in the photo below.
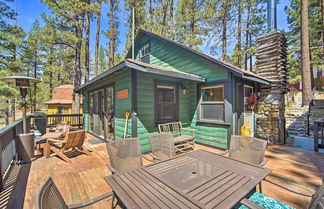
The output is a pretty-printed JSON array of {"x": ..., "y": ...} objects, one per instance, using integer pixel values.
[
  {"x": 215, "y": 136},
  {"x": 167, "y": 55}
]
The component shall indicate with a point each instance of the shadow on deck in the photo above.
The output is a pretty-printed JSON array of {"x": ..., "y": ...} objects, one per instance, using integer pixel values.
[{"x": 82, "y": 179}]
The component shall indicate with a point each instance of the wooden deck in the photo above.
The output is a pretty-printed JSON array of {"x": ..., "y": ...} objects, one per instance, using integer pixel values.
[{"x": 83, "y": 179}]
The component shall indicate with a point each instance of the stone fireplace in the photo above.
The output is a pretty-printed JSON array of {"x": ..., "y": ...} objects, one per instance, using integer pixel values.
[{"x": 271, "y": 61}]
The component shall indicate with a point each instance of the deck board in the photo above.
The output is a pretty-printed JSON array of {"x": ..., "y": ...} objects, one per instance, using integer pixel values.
[{"x": 83, "y": 179}]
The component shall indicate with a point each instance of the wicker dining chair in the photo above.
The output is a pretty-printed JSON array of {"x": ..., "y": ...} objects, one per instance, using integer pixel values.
[
  {"x": 162, "y": 146},
  {"x": 258, "y": 200},
  {"x": 124, "y": 154},
  {"x": 49, "y": 197},
  {"x": 248, "y": 149}
]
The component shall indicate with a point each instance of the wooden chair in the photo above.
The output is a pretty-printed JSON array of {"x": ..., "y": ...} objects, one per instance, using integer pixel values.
[
  {"x": 258, "y": 200},
  {"x": 182, "y": 141},
  {"x": 72, "y": 141},
  {"x": 248, "y": 149},
  {"x": 162, "y": 146},
  {"x": 124, "y": 154},
  {"x": 63, "y": 127},
  {"x": 49, "y": 197}
]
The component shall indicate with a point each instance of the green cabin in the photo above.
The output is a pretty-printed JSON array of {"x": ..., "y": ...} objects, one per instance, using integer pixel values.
[{"x": 165, "y": 82}]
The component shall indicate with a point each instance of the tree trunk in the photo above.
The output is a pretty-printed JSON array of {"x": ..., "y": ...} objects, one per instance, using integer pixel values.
[
  {"x": 164, "y": 20},
  {"x": 192, "y": 23},
  {"x": 95, "y": 71},
  {"x": 151, "y": 16},
  {"x": 224, "y": 30},
  {"x": 247, "y": 36},
  {"x": 320, "y": 71},
  {"x": 112, "y": 34},
  {"x": 171, "y": 24},
  {"x": 87, "y": 46},
  {"x": 305, "y": 59},
  {"x": 77, "y": 68},
  {"x": 239, "y": 35}
]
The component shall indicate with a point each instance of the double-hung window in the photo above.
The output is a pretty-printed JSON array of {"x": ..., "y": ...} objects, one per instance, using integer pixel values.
[
  {"x": 166, "y": 103},
  {"x": 144, "y": 53},
  {"x": 212, "y": 103}
]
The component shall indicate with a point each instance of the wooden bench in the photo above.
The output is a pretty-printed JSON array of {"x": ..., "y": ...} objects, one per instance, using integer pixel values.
[{"x": 182, "y": 142}]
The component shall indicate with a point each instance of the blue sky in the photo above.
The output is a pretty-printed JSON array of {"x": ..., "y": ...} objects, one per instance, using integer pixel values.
[{"x": 30, "y": 10}]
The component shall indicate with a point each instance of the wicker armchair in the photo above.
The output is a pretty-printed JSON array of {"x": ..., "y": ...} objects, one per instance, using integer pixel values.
[
  {"x": 248, "y": 149},
  {"x": 49, "y": 197},
  {"x": 258, "y": 200},
  {"x": 124, "y": 154}
]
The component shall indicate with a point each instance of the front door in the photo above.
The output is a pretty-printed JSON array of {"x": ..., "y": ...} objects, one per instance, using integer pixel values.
[{"x": 244, "y": 106}]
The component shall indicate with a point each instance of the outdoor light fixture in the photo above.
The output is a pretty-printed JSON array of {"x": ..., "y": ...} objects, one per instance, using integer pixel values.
[
  {"x": 23, "y": 82},
  {"x": 184, "y": 90}
]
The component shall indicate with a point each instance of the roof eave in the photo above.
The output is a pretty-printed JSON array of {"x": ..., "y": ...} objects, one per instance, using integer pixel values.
[{"x": 251, "y": 78}]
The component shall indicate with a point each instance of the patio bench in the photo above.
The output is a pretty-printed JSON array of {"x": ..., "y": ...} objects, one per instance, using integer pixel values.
[{"x": 182, "y": 142}]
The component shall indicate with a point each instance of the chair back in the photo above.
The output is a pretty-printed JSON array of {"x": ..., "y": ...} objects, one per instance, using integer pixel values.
[
  {"x": 49, "y": 197},
  {"x": 63, "y": 127},
  {"x": 317, "y": 200},
  {"x": 125, "y": 154},
  {"x": 174, "y": 128},
  {"x": 162, "y": 145},
  {"x": 247, "y": 149},
  {"x": 74, "y": 139}
]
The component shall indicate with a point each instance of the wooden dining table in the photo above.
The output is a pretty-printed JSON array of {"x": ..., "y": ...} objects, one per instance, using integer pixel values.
[{"x": 198, "y": 179}]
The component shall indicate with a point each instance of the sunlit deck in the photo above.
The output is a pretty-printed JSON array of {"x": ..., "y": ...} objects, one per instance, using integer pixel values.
[{"x": 82, "y": 179}]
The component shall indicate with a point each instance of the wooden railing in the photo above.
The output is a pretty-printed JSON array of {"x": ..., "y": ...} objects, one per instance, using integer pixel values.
[
  {"x": 318, "y": 135},
  {"x": 8, "y": 136},
  {"x": 75, "y": 120},
  {"x": 8, "y": 151}
]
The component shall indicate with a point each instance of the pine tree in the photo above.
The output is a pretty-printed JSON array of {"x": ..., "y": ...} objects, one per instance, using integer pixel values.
[
  {"x": 191, "y": 18},
  {"x": 95, "y": 71},
  {"x": 305, "y": 58},
  {"x": 113, "y": 30}
]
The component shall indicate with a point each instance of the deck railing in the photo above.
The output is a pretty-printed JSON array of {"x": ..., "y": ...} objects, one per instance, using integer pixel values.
[
  {"x": 318, "y": 135},
  {"x": 8, "y": 136},
  {"x": 8, "y": 151},
  {"x": 75, "y": 120}
]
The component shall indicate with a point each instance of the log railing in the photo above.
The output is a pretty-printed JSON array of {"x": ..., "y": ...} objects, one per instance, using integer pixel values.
[{"x": 318, "y": 135}]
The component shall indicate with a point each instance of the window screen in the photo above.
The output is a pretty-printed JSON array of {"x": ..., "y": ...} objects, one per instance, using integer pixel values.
[
  {"x": 212, "y": 103},
  {"x": 166, "y": 103}
]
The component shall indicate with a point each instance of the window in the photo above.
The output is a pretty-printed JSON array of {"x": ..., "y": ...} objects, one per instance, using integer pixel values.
[
  {"x": 166, "y": 103},
  {"x": 248, "y": 98},
  {"x": 144, "y": 53},
  {"x": 60, "y": 109},
  {"x": 212, "y": 103}
]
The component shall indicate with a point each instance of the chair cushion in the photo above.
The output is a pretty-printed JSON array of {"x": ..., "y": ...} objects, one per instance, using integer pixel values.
[
  {"x": 182, "y": 138},
  {"x": 266, "y": 202}
]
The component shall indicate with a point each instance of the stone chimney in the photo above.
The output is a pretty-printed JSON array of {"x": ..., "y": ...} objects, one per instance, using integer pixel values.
[{"x": 271, "y": 61}]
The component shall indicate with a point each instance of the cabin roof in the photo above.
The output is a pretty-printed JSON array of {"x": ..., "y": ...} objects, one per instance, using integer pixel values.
[
  {"x": 243, "y": 73},
  {"x": 143, "y": 67}
]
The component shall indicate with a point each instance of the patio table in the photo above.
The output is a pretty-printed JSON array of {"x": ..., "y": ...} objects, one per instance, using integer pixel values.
[{"x": 198, "y": 179}]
